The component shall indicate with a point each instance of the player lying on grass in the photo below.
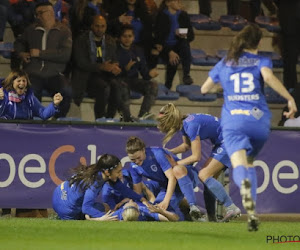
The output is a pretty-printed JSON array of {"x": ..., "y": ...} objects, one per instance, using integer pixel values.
[
  {"x": 114, "y": 199},
  {"x": 159, "y": 165},
  {"x": 137, "y": 211},
  {"x": 77, "y": 196}
]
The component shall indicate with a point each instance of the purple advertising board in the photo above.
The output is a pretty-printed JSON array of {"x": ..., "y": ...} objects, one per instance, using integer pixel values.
[{"x": 35, "y": 158}]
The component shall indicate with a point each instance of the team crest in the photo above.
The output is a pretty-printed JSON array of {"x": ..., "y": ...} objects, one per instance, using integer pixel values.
[{"x": 154, "y": 168}]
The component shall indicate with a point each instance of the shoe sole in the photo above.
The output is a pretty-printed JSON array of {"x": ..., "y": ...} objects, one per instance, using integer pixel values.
[
  {"x": 197, "y": 216},
  {"x": 147, "y": 117},
  {"x": 231, "y": 217}
]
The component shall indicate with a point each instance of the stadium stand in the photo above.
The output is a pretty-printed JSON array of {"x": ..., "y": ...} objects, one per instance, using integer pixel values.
[{"x": 267, "y": 23}]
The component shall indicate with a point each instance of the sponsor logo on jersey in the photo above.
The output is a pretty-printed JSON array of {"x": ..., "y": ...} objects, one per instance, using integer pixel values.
[{"x": 239, "y": 112}]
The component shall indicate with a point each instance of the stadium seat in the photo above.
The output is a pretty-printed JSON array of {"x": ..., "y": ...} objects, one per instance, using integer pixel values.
[
  {"x": 202, "y": 22},
  {"x": 165, "y": 94},
  {"x": 69, "y": 119},
  {"x": 273, "y": 97},
  {"x": 235, "y": 23},
  {"x": 103, "y": 119},
  {"x": 198, "y": 97},
  {"x": 185, "y": 90},
  {"x": 135, "y": 95},
  {"x": 35, "y": 118},
  {"x": 6, "y": 49},
  {"x": 200, "y": 58},
  {"x": 276, "y": 58},
  {"x": 268, "y": 23}
]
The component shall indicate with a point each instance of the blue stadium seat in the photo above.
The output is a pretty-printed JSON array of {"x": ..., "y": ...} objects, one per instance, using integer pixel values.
[
  {"x": 135, "y": 95},
  {"x": 103, "y": 119},
  {"x": 69, "y": 119},
  {"x": 46, "y": 93},
  {"x": 276, "y": 58},
  {"x": 198, "y": 97},
  {"x": 235, "y": 23},
  {"x": 165, "y": 94},
  {"x": 200, "y": 58},
  {"x": 273, "y": 97},
  {"x": 6, "y": 49},
  {"x": 35, "y": 118},
  {"x": 202, "y": 22},
  {"x": 268, "y": 23},
  {"x": 185, "y": 90}
]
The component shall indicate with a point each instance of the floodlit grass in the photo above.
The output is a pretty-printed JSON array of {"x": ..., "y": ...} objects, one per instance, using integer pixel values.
[{"x": 21, "y": 233}]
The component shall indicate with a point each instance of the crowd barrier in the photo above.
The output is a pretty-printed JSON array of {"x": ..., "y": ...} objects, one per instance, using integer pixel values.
[{"x": 36, "y": 157}]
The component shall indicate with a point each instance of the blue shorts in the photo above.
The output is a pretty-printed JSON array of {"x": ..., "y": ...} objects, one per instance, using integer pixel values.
[
  {"x": 63, "y": 209},
  {"x": 220, "y": 154},
  {"x": 251, "y": 137}
]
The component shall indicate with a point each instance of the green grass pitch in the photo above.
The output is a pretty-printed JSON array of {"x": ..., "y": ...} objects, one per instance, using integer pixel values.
[{"x": 25, "y": 233}]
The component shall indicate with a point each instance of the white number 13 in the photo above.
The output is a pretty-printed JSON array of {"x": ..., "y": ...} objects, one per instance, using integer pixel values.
[{"x": 244, "y": 79}]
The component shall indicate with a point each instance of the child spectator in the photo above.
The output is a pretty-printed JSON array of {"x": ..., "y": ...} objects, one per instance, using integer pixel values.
[
  {"x": 170, "y": 43},
  {"x": 132, "y": 62}
]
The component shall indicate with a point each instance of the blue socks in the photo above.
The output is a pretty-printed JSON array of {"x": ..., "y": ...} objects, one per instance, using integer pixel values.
[
  {"x": 253, "y": 179},
  {"x": 186, "y": 187},
  {"x": 218, "y": 191},
  {"x": 239, "y": 174}
]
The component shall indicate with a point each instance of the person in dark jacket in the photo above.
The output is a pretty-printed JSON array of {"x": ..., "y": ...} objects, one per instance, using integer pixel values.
[
  {"x": 17, "y": 100},
  {"x": 45, "y": 48},
  {"x": 132, "y": 62},
  {"x": 172, "y": 36},
  {"x": 96, "y": 71}
]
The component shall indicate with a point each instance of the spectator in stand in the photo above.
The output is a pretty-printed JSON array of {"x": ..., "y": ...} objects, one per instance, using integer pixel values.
[
  {"x": 17, "y": 100},
  {"x": 172, "y": 45},
  {"x": 20, "y": 15},
  {"x": 4, "y": 5},
  {"x": 96, "y": 71},
  {"x": 233, "y": 7},
  {"x": 135, "y": 13},
  {"x": 289, "y": 20},
  {"x": 132, "y": 62},
  {"x": 82, "y": 13},
  {"x": 45, "y": 48}
]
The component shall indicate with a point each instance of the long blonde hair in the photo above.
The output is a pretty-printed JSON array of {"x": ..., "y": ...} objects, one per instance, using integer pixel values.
[{"x": 169, "y": 121}]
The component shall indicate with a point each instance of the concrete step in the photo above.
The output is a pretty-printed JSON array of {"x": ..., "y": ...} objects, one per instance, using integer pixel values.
[{"x": 86, "y": 110}]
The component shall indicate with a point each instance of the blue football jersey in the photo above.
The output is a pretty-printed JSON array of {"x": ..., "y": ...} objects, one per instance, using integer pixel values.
[
  {"x": 243, "y": 88},
  {"x": 203, "y": 125},
  {"x": 153, "y": 167},
  {"x": 111, "y": 195}
]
